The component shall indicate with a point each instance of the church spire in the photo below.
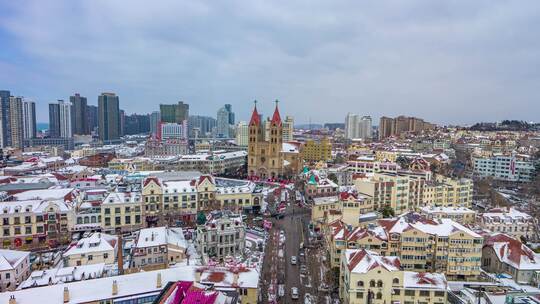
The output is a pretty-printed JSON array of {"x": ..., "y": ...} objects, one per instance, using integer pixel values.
[
  {"x": 255, "y": 118},
  {"x": 276, "y": 118}
]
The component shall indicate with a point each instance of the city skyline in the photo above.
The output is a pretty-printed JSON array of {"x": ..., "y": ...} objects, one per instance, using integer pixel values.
[{"x": 457, "y": 62}]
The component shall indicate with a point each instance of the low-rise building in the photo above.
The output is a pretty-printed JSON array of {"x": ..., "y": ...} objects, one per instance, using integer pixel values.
[
  {"x": 462, "y": 215},
  {"x": 504, "y": 254},
  {"x": 14, "y": 268},
  {"x": 98, "y": 248},
  {"x": 317, "y": 150},
  {"x": 510, "y": 221},
  {"x": 367, "y": 277},
  {"x": 224, "y": 234},
  {"x": 121, "y": 212},
  {"x": 320, "y": 187},
  {"x": 158, "y": 247}
]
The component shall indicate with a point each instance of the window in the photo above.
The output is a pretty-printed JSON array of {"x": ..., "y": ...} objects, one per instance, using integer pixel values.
[
  {"x": 396, "y": 292},
  {"x": 409, "y": 293},
  {"x": 395, "y": 281},
  {"x": 105, "y": 255},
  {"x": 439, "y": 293},
  {"x": 360, "y": 284},
  {"x": 372, "y": 283},
  {"x": 379, "y": 295},
  {"x": 379, "y": 283},
  {"x": 424, "y": 293},
  {"x": 359, "y": 295},
  {"x": 90, "y": 257}
]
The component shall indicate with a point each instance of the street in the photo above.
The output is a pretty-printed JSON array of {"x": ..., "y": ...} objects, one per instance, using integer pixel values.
[{"x": 279, "y": 275}]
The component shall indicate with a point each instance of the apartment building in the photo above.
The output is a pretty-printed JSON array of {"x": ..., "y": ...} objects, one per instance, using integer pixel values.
[
  {"x": 447, "y": 192},
  {"x": 97, "y": 248},
  {"x": 510, "y": 221},
  {"x": 401, "y": 192},
  {"x": 316, "y": 151},
  {"x": 434, "y": 245},
  {"x": 369, "y": 165},
  {"x": 121, "y": 212},
  {"x": 14, "y": 268},
  {"x": 156, "y": 248},
  {"x": 367, "y": 277},
  {"x": 505, "y": 254},
  {"x": 421, "y": 244},
  {"x": 462, "y": 215},
  {"x": 223, "y": 234},
  {"x": 508, "y": 167}
]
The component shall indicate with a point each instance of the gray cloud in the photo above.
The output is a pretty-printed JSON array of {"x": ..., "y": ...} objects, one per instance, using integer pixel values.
[{"x": 446, "y": 61}]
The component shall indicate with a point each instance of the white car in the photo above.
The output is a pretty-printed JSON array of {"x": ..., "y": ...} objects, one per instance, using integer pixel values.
[
  {"x": 293, "y": 260},
  {"x": 294, "y": 293}
]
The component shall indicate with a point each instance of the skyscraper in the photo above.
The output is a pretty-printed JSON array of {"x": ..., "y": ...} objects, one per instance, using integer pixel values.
[
  {"x": 137, "y": 124},
  {"x": 78, "y": 114},
  {"x": 155, "y": 118},
  {"x": 65, "y": 119},
  {"x": 175, "y": 113},
  {"x": 16, "y": 121},
  {"x": 29, "y": 119},
  {"x": 54, "y": 120},
  {"x": 108, "y": 116},
  {"x": 223, "y": 123},
  {"x": 5, "y": 129},
  {"x": 228, "y": 107},
  {"x": 92, "y": 118}
]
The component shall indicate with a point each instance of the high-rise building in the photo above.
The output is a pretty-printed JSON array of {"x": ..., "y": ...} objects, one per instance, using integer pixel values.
[
  {"x": 122, "y": 122},
  {"x": 365, "y": 127},
  {"x": 155, "y": 118},
  {"x": 228, "y": 107},
  {"x": 137, "y": 124},
  {"x": 173, "y": 130},
  {"x": 92, "y": 117},
  {"x": 79, "y": 116},
  {"x": 54, "y": 120},
  {"x": 5, "y": 125},
  {"x": 204, "y": 125},
  {"x": 288, "y": 128},
  {"x": 223, "y": 123},
  {"x": 16, "y": 121},
  {"x": 402, "y": 124},
  {"x": 357, "y": 127},
  {"x": 108, "y": 117},
  {"x": 65, "y": 119},
  {"x": 174, "y": 113},
  {"x": 29, "y": 119},
  {"x": 242, "y": 134}
]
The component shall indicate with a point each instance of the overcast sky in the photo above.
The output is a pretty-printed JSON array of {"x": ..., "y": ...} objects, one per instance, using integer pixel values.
[{"x": 445, "y": 61}]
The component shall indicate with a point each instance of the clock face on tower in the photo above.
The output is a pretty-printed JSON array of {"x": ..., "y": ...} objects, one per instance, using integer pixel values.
[{"x": 263, "y": 159}]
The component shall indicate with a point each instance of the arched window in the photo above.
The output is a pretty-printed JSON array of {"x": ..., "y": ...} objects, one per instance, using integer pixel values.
[
  {"x": 379, "y": 283},
  {"x": 379, "y": 295},
  {"x": 86, "y": 220},
  {"x": 360, "y": 284},
  {"x": 372, "y": 283},
  {"x": 395, "y": 281}
]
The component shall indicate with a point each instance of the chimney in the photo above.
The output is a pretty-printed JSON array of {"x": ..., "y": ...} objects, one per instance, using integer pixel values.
[
  {"x": 158, "y": 283},
  {"x": 114, "y": 288},
  {"x": 12, "y": 300},
  {"x": 66, "y": 295},
  {"x": 120, "y": 256}
]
